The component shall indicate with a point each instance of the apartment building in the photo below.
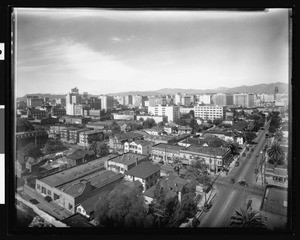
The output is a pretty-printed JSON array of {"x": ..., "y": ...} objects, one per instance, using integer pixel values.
[
  {"x": 138, "y": 146},
  {"x": 172, "y": 112},
  {"x": 209, "y": 112}
]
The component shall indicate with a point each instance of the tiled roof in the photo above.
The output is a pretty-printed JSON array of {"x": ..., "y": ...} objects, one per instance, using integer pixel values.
[
  {"x": 142, "y": 142},
  {"x": 143, "y": 170},
  {"x": 80, "y": 153}
]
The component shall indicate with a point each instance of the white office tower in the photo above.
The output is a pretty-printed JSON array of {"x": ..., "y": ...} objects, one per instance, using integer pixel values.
[
  {"x": 107, "y": 102},
  {"x": 205, "y": 99},
  {"x": 72, "y": 99},
  {"x": 172, "y": 112}
]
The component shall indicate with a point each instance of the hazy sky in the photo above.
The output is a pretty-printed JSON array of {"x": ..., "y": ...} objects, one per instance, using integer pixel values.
[{"x": 105, "y": 51}]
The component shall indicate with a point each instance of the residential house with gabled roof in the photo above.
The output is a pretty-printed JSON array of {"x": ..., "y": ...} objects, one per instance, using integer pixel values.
[
  {"x": 80, "y": 156},
  {"x": 138, "y": 146},
  {"x": 173, "y": 186},
  {"x": 147, "y": 173},
  {"x": 116, "y": 142}
]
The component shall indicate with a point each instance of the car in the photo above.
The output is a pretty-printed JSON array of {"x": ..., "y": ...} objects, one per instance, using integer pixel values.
[
  {"x": 243, "y": 183},
  {"x": 237, "y": 163}
]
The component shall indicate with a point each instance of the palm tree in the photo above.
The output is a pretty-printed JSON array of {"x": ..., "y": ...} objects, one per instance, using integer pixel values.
[
  {"x": 278, "y": 135},
  {"x": 275, "y": 154},
  {"x": 247, "y": 218}
]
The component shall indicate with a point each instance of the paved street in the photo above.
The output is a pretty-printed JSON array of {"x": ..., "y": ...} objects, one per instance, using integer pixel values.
[{"x": 231, "y": 196}]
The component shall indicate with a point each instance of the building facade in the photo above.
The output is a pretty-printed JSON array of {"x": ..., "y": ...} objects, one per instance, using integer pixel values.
[
  {"x": 209, "y": 112},
  {"x": 172, "y": 112}
]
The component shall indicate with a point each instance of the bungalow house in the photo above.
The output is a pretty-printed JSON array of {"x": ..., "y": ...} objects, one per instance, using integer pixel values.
[
  {"x": 172, "y": 185},
  {"x": 146, "y": 172},
  {"x": 184, "y": 130}
]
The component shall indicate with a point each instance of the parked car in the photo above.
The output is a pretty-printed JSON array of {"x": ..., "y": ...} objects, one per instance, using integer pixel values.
[{"x": 237, "y": 163}]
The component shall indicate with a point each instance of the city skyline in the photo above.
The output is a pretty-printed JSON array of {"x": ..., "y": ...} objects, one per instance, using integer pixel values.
[{"x": 148, "y": 50}]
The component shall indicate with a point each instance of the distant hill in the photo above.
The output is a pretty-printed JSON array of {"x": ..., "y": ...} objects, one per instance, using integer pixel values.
[{"x": 260, "y": 88}]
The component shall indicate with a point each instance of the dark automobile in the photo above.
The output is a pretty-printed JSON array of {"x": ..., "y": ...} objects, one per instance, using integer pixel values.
[
  {"x": 243, "y": 183},
  {"x": 207, "y": 206},
  {"x": 237, "y": 163}
]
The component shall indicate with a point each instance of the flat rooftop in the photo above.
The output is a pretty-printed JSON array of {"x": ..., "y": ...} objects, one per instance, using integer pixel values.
[
  {"x": 207, "y": 150},
  {"x": 163, "y": 146},
  {"x": 76, "y": 172},
  {"x": 275, "y": 201},
  {"x": 128, "y": 158}
]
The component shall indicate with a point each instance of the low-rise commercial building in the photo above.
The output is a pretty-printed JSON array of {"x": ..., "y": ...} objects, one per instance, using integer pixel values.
[
  {"x": 165, "y": 152},
  {"x": 72, "y": 186},
  {"x": 214, "y": 158},
  {"x": 125, "y": 162}
]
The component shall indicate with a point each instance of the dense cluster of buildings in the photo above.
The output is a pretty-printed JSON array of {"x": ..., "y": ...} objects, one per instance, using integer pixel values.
[{"x": 135, "y": 158}]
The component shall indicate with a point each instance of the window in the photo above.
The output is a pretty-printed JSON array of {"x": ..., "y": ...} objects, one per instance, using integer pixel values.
[
  {"x": 44, "y": 190},
  {"x": 70, "y": 206},
  {"x": 49, "y": 192},
  {"x": 38, "y": 186}
]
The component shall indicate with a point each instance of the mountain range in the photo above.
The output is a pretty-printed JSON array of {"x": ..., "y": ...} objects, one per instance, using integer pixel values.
[{"x": 260, "y": 88}]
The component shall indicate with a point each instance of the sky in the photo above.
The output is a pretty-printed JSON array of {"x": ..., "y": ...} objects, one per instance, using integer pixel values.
[{"x": 108, "y": 51}]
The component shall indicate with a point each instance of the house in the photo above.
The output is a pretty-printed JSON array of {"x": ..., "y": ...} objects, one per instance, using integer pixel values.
[
  {"x": 80, "y": 156},
  {"x": 170, "y": 129},
  {"x": 138, "y": 146},
  {"x": 146, "y": 172},
  {"x": 228, "y": 121},
  {"x": 125, "y": 162},
  {"x": 154, "y": 131},
  {"x": 184, "y": 130},
  {"x": 172, "y": 185},
  {"x": 86, "y": 138},
  {"x": 165, "y": 152},
  {"x": 116, "y": 142},
  {"x": 234, "y": 137}
]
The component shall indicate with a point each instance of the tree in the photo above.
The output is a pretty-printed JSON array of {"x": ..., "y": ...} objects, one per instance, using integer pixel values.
[
  {"x": 53, "y": 146},
  {"x": 149, "y": 123},
  {"x": 279, "y": 135},
  {"x": 181, "y": 122},
  {"x": 115, "y": 128},
  {"x": 101, "y": 149},
  {"x": 247, "y": 218},
  {"x": 217, "y": 121},
  {"x": 30, "y": 150},
  {"x": 194, "y": 125},
  {"x": 250, "y": 136},
  {"x": 272, "y": 129},
  {"x": 192, "y": 113},
  {"x": 276, "y": 154}
]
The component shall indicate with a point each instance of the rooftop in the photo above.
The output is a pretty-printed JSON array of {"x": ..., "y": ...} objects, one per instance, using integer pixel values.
[
  {"x": 143, "y": 170},
  {"x": 142, "y": 142},
  {"x": 97, "y": 180},
  {"x": 275, "y": 200},
  {"x": 128, "y": 158},
  {"x": 128, "y": 135},
  {"x": 163, "y": 146},
  {"x": 80, "y": 153},
  {"x": 77, "y": 220},
  {"x": 220, "y": 151},
  {"x": 76, "y": 172}
]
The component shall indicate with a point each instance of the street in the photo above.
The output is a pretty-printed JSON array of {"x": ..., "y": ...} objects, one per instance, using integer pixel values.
[{"x": 233, "y": 196}]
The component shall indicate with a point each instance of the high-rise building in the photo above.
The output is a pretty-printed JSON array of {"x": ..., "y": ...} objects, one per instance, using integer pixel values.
[
  {"x": 186, "y": 101},
  {"x": 209, "y": 112},
  {"x": 204, "y": 99},
  {"x": 172, "y": 112},
  {"x": 128, "y": 100},
  {"x": 157, "y": 100},
  {"x": 177, "y": 99},
  {"x": 229, "y": 99},
  {"x": 266, "y": 97},
  {"x": 219, "y": 99},
  {"x": 73, "y": 98},
  {"x": 95, "y": 103},
  {"x": 243, "y": 99},
  {"x": 138, "y": 100},
  {"x": 107, "y": 102},
  {"x": 34, "y": 101}
]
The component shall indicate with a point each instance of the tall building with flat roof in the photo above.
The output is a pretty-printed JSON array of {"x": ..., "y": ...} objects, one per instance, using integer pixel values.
[
  {"x": 172, "y": 112},
  {"x": 219, "y": 99},
  {"x": 209, "y": 112},
  {"x": 243, "y": 99},
  {"x": 107, "y": 102}
]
